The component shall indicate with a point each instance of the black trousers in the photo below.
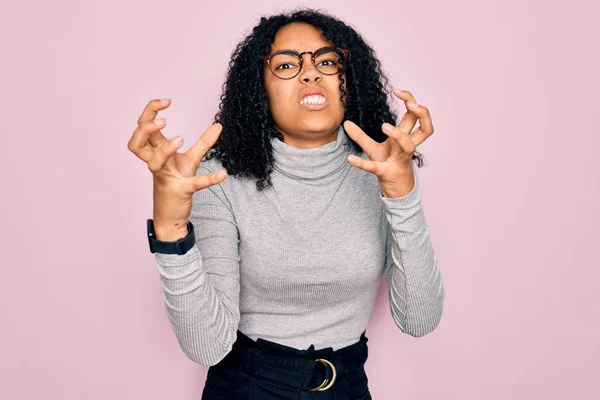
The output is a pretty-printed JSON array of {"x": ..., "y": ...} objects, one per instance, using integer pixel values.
[{"x": 265, "y": 370}]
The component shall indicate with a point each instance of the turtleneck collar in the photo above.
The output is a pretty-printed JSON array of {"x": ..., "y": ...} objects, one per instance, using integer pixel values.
[{"x": 313, "y": 163}]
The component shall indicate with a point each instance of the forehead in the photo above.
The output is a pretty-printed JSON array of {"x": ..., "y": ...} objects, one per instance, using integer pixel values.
[{"x": 300, "y": 37}]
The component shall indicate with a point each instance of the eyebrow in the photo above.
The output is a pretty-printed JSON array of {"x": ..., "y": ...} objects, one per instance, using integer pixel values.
[{"x": 297, "y": 50}]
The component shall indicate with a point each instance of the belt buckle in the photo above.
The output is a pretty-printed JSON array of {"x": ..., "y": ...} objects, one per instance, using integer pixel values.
[{"x": 326, "y": 385}]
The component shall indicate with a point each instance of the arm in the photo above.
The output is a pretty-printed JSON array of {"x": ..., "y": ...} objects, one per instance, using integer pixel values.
[
  {"x": 416, "y": 289},
  {"x": 201, "y": 288}
]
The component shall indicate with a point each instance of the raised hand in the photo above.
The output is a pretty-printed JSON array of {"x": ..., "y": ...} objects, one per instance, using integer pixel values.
[
  {"x": 174, "y": 173},
  {"x": 391, "y": 160}
]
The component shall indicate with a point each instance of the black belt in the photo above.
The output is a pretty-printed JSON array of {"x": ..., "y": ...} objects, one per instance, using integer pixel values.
[{"x": 313, "y": 370}]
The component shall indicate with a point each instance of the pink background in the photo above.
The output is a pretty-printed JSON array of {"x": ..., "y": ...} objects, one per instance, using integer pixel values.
[{"x": 510, "y": 190}]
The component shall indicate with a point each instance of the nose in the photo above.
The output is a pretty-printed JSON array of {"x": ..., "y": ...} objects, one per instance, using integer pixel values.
[{"x": 309, "y": 73}]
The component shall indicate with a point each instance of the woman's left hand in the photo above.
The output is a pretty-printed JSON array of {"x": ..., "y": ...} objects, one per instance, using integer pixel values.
[{"x": 391, "y": 161}]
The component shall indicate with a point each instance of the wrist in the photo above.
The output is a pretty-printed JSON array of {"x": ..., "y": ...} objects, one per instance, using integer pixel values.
[
  {"x": 170, "y": 231},
  {"x": 399, "y": 188},
  {"x": 170, "y": 241}
]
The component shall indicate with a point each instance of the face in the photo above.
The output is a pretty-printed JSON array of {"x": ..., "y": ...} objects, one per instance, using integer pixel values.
[{"x": 301, "y": 123}]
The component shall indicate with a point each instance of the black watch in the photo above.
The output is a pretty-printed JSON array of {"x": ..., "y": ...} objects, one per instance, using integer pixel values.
[{"x": 180, "y": 246}]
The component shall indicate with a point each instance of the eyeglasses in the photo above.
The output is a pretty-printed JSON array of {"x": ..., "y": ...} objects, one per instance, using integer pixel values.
[{"x": 286, "y": 64}]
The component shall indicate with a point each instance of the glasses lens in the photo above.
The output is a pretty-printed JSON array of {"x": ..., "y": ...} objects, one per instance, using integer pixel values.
[
  {"x": 285, "y": 65},
  {"x": 330, "y": 62}
]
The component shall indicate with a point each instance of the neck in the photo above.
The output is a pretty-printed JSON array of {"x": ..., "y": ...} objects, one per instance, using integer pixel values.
[
  {"x": 312, "y": 164},
  {"x": 303, "y": 142}
]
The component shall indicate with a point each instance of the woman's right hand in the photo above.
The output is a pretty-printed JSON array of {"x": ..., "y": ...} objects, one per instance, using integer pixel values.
[{"x": 174, "y": 174}]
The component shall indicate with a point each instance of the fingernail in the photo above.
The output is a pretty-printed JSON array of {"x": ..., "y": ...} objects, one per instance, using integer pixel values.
[
  {"x": 414, "y": 106},
  {"x": 159, "y": 121},
  {"x": 222, "y": 174},
  {"x": 387, "y": 127},
  {"x": 164, "y": 101},
  {"x": 398, "y": 90},
  {"x": 177, "y": 140}
]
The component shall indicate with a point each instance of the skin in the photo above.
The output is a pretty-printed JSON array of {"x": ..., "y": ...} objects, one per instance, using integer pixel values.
[{"x": 301, "y": 127}]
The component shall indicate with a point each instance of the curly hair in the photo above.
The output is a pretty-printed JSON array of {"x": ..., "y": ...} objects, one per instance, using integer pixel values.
[{"x": 244, "y": 146}]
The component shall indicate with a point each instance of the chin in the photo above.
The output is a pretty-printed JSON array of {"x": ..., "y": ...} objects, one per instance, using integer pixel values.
[
  {"x": 318, "y": 129},
  {"x": 317, "y": 125}
]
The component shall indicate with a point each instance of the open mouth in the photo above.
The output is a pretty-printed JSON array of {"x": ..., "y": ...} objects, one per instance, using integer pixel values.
[
  {"x": 313, "y": 99},
  {"x": 314, "y": 102}
]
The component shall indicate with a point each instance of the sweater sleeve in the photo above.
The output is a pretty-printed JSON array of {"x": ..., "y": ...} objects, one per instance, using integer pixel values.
[
  {"x": 201, "y": 288},
  {"x": 416, "y": 289}
]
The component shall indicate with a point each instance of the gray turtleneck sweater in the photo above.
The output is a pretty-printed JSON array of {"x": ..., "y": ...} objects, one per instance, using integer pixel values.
[{"x": 300, "y": 263}]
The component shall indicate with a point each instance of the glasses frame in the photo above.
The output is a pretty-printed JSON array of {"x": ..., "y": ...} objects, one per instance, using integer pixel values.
[{"x": 313, "y": 55}]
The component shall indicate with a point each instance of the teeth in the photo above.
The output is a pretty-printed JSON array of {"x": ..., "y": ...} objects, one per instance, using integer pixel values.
[{"x": 315, "y": 99}]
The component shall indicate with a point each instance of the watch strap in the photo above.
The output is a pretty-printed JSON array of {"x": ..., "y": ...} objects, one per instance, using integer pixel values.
[{"x": 180, "y": 246}]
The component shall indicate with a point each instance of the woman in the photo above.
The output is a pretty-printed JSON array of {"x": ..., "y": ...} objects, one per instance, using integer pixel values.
[{"x": 270, "y": 270}]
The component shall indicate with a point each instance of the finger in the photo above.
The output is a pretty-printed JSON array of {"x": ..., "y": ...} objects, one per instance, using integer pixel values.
[
  {"x": 392, "y": 131},
  {"x": 149, "y": 114},
  {"x": 419, "y": 111},
  {"x": 402, "y": 140},
  {"x": 144, "y": 153},
  {"x": 163, "y": 152},
  {"x": 419, "y": 136},
  {"x": 138, "y": 143},
  {"x": 405, "y": 95},
  {"x": 203, "y": 181},
  {"x": 410, "y": 118},
  {"x": 156, "y": 137},
  {"x": 358, "y": 135},
  {"x": 408, "y": 121},
  {"x": 425, "y": 125},
  {"x": 367, "y": 165},
  {"x": 151, "y": 109},
  {"x": 206, "y": 141}
]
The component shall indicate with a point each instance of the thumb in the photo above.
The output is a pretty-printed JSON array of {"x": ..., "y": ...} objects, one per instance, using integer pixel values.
[
  {"x": 203, "y": 181},
  {"x": 205, "y": 143}
]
